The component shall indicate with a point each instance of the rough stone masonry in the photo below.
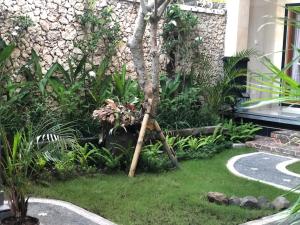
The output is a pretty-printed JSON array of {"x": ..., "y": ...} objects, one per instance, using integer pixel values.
[{"x": 56, "y": 27}]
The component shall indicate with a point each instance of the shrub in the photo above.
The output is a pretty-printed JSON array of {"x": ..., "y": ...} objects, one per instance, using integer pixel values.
[{"x": 241, "y": 132}]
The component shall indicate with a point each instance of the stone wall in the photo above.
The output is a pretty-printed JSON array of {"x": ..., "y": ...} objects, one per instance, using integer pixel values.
[{"x": 56, "y": 27}]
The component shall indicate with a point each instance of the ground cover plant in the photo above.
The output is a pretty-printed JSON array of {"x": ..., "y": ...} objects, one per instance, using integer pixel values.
[
  {"x": 240, "y": 132},
  {"x": 174, "y": 197}
]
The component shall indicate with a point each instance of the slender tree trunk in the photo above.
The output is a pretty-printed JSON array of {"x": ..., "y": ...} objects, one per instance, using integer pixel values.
[
  {"x": 136, "y": 46},
  {"x": 155, "y": 64},
  {"x": 149, "y": 84}
]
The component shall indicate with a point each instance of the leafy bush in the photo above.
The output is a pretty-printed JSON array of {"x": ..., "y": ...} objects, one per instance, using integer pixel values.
[
  {"x": 187, "y": 101},
  {"x": 100, "y": 27},
  {"x": 180, "y": 43},
  {"x": 125, "y": 89},
  {"x": 153, "y": 159},
  {"x": 241, "y": 132}
]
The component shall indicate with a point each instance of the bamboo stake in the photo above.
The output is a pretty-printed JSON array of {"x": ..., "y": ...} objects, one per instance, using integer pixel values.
[
  {"x": 167, "y": 148},
  {"x": 140, "y": 141}
]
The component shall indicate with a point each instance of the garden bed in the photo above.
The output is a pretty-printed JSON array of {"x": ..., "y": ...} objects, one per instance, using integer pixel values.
[{"x": 174, "y": 197}]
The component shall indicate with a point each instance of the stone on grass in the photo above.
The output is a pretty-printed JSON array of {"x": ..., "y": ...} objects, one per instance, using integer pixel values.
[
  {"x": 249, "y": 202},
  {"x": 233, "y": 200},
  {"x": 264, "y": 203},
  {"x": 280, "y": 203},
  {"x": 217, "y": 197}
]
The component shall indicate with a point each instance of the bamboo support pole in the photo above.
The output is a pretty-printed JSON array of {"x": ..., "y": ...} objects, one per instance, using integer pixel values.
[
  {"x": 167, "y": 148},
  {"x": 140, "y": 141}
]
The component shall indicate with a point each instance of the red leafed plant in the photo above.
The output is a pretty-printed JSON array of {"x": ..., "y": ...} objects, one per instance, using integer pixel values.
[{"x": 117, "y": 115}]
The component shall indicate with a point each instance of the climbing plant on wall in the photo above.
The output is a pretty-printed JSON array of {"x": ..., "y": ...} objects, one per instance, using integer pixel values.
[{"x": 180, "y": 40}]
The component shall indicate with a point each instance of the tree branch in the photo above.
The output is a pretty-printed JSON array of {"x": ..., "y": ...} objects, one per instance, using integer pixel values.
[
  {"x": 162, "y": 8},
  {"x": 143, "y": 6},
  {"x": 135, "y": 44}
]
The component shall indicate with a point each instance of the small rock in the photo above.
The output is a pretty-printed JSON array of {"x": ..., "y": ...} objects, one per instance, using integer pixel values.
[
  {"x": 264, "y": 203},
  {"x": 44, "y": 25},
  {"x": 52, "y": 18},
  {"x": 280, "y": 203},
  {"x": 21, "y": 2},
  {"x": 217, "y": 197},
  {"x": 79, "y": 6},
  {"x": 61, "y": 44},
  {"x": 63, "y": 20},
  {"x": 69, "y": 33},
  {"x": 16, "y": 53},
  {"x": 249, "y": 202},
  {"x": 48, "y": 59},
  {"x": 44, "y": 14},
  {"x": 53, "y": 35},
  {"x": 233, "y": 200}
]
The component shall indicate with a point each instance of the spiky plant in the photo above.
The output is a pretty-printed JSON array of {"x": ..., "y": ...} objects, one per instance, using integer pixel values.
[{"x": 18, "y": 157}]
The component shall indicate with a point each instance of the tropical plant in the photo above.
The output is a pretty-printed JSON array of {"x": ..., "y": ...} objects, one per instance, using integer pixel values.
[
  {"x": 220, "y": 96},
  {"x": 5, "y": 54},
  {"x": 85, "y": 154},
  {"x": 280, "y": 86},
  {"x": 125, "y": 89},
  {"x": 110, "y": 160},
  {"x": 100, "y": 27},
  {"x": 20, "y": 24},
  {"x": 153, "y": 159},
  {"x": 240, "y": 132},
  {"x": 65, "y": 167},
  {"x": 5, "y": 106},
  {"x": 180, "y": 41},
  {"x": 114, "y": 115},
  {"x": 101, "y": 87},
  {"x": 189, "y": 103},
  {"x": 17, "y": 164},
  {"x": 169, "y": 87},
  {"x": 15, "y": 169}
]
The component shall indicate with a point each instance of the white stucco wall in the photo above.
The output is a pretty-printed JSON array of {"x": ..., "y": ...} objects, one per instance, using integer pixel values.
[{"x": 236, "y": 38}]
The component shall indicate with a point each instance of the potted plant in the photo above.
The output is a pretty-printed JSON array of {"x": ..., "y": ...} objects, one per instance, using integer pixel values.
[
  {"x": 16, "y": 162},
  {"x": 113, "y": 116}
]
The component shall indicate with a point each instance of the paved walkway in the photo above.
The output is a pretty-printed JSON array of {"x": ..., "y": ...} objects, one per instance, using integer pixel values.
[
  {"x": 266, "y": 168},
  {"x": 55, "y": 212}
]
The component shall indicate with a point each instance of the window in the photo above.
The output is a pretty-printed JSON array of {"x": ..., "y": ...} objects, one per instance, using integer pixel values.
[{"x": 291, "y": 52}]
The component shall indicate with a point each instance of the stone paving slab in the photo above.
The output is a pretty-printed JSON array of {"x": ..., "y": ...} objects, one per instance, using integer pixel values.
[
  {"x": 288, "y": 137},
  {"x": 274, "y": 145},
  {"x": 265, "y": 167}
]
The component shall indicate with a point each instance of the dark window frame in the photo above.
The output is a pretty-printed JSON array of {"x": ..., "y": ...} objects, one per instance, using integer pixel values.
[{"x": 284, "y": 44}]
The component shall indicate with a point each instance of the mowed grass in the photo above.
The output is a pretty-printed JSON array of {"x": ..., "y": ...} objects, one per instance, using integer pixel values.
[
  {"x": 295, "y": 167},
  {"x": 172, "y": 198}
]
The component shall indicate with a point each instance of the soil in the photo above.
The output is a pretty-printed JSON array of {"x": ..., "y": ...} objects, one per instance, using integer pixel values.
[{"x": 13, "y": 221}]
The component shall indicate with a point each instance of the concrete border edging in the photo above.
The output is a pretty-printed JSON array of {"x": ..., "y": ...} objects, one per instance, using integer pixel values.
[
  {"x": 268, "y": 220},
  {"x": 80, "y": 211},
  {"x": 282, "y": 167},
  {"x": 233, "y": 160}
]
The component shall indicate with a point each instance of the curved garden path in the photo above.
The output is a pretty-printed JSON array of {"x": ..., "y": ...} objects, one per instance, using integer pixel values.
[
  {"x": 266, "y": 168},
  {"x": 55, "y": 212}
]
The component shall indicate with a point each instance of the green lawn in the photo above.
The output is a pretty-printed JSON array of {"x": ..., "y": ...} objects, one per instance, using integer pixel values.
[
  {"x": 295, "y": 167},
  {"x": 176, "y": 197}
]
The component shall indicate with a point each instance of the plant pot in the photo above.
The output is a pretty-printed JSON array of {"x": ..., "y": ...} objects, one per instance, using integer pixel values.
[
  {"x": 121, "y": 138},
  {"x": 11, "y": 220}
]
